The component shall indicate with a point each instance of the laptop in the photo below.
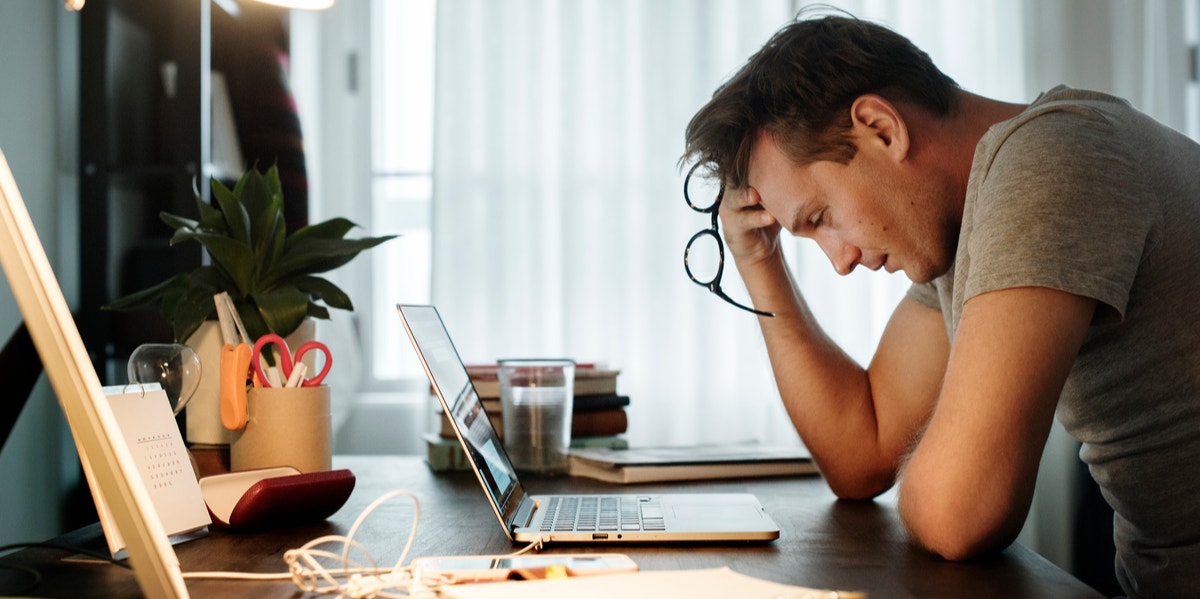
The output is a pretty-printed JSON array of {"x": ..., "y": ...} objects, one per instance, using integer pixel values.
[
  {"x": 585, "y": 518},
  {"x": 98, "y": 438}
]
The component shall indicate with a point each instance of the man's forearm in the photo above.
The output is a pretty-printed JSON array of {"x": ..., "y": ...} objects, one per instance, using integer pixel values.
[{"x": 827, "y": 395}]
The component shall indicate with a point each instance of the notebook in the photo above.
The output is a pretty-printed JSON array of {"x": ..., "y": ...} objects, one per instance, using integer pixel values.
[
  {"x": 97, "y": 434},
  {"x": 585, "y": 518}
]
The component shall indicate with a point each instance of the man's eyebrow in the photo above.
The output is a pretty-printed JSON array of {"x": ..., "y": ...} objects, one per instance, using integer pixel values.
[
  {"x": 804, "y": 211},
  {"x": 800, "y": 220}
]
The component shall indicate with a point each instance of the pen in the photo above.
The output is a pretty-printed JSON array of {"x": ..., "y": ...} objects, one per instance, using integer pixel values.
[
  {"x": 273, "y": 377},
  {"x": 297, "y": 377}
]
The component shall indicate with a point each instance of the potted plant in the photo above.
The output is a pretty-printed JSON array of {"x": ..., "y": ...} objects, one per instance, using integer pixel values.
[{"x": 269, "y": 274}]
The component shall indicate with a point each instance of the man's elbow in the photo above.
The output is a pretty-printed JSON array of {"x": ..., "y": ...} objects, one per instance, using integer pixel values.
[
  {"x": 858, "y": 485},
  {"x": 955, "y": 545},
  {"x": 954, "y": 533}
]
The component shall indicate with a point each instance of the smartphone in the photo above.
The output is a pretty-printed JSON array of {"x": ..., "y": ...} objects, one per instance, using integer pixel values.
[{"x": 482, "y": 568}]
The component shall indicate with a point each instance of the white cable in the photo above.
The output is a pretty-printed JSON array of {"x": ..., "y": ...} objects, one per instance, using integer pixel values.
[
  {"x": 352, "y": 579},
  {"x": 355, "y": 580}
]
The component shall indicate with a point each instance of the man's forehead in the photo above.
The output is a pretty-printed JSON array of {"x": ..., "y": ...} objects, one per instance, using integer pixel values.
[{"x": 765, "y": 155}]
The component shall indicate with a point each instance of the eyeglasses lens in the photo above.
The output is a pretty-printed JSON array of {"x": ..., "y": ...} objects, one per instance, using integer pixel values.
[
  {"x": 702, "y": 191},
  {"x": 703, "y": 258}
]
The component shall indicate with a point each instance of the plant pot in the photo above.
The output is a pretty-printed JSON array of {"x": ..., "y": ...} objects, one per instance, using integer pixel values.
[{"x": 204, "y": 410}]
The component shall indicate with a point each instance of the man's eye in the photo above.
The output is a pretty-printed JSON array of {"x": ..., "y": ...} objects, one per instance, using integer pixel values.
[{"x": 817, "y": 219}]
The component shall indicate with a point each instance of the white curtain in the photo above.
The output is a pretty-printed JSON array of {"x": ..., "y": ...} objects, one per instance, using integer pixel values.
[{"x": 559, "y": 224}]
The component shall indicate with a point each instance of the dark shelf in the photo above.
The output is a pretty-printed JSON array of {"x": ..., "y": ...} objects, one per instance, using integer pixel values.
[
  {"x": 140, "y": 146},
  {"x": 145, "y": 112}
]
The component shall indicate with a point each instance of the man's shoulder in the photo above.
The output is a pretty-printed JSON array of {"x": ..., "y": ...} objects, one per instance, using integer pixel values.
[
  {"x": 1059, "y": 116},
  {"x": 1060, "y": 133},
  {"x": 1063, "y": 94}
]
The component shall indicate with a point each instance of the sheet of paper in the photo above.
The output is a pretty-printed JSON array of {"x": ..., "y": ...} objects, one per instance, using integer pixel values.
[{"x": 717, "y": 583}]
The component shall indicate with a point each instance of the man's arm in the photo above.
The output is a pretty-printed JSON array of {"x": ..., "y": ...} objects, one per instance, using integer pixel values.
[
  {"x": 967, "y": 486},
  {"x": 859, "y": 423}
]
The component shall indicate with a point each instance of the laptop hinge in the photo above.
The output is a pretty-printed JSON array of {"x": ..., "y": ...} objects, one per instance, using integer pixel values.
[{"x": 524, "y": 513}]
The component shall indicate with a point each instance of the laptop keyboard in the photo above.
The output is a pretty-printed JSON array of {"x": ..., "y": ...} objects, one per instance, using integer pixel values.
[{"x": 602, "y": 514}]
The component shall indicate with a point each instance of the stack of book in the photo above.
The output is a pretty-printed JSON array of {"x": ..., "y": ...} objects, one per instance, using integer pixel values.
[
  {"x": 697, "y": 462},
  {"x": 599, "y": 418}
]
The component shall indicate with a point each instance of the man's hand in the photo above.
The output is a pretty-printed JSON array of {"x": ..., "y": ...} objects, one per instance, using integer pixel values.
[{"x": 751, "y": 233}]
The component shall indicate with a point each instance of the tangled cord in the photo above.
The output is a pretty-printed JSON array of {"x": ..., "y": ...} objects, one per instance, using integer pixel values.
[
  {"x": 311, "y": 568},
  {"x": 354, "y": 579},
  {"x": 330, "y": 571}
]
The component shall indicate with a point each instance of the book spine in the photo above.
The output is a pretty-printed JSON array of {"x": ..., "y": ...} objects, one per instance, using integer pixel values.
[
  {"x": 589, "y": 380},
  {"x": 447, "y": 455},
  {"x": 447, "y": 430},
  {"x": 599, "y": 423},
  {"x": 605, "y": 442},
  {"x": 602, "y": 401},
  {"x": 490, "y": 389},
  {"x": 581, "y": 403}
]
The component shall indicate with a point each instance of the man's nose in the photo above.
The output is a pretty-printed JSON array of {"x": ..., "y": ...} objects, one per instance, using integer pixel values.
[{"x": 843, "y": 256}]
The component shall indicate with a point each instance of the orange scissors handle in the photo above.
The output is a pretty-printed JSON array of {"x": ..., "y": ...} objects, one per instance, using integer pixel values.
[{"x": 235, "y": 369}]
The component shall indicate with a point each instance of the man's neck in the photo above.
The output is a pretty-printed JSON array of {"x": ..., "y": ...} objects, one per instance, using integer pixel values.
[
  {"x": 951, "y": 140},
  {"x": 974, "y": 115}
]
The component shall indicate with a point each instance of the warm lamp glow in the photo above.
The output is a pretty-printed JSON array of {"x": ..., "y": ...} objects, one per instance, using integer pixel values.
[{"x": 301, "y": 4}]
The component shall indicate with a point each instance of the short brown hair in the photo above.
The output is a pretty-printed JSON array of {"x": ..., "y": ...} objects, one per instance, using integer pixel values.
[{"x": 799, "y": 87}]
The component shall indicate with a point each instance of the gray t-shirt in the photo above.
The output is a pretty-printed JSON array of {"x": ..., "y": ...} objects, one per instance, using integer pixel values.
[{"x": 1084, "y": 194}]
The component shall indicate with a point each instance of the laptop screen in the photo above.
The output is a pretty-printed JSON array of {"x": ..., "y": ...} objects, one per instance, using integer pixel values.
[{"x": 449, "y": 376}]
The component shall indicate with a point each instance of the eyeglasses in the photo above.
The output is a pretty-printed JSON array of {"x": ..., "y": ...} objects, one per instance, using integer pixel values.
[{"x": 710, "y": 272}]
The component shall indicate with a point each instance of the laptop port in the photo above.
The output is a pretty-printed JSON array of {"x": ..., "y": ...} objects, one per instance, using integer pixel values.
[{"x": 599, "y": 536}]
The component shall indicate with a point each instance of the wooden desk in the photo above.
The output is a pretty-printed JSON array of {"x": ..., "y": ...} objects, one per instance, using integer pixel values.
[{"x": 824, "y": 543}]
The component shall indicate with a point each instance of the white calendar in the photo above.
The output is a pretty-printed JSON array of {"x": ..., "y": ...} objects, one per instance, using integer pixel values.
[{"x": 149, "y": 430}]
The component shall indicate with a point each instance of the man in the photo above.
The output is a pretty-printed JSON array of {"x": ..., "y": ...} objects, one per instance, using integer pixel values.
[{"x": 1053, "y": 249}]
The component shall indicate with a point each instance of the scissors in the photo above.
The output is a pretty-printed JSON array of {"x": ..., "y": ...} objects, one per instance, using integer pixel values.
[
  {"x": 289, "y": 363},
  {"x": 235, "y": 364},
  {"x": 235, "y": 370}
]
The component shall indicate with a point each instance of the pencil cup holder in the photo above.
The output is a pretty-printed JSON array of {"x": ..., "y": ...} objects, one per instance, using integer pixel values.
[{"x": 285, "y": 427}]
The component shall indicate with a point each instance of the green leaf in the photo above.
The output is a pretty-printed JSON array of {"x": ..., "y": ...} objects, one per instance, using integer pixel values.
[
  {"x": 323, "y": 290},
  {"x": 170, "y": 299},
  {"x": 334, "y": 228},
  {"x": 317, "y": 311},
  {"x": 230, "y": 256},
  {"x": 314, "y": 256},
  {"x": 269, "y": 244},
  {"x": 260, "y": 193},
  {"x": 236, "y": 218},
  {"x": 147, "y": 297},
  {"x": 282, "y": 309},
  {"x": 178, "y": 222},
  {"x": 211, "y": 218},
  {"x": 252, "y": 319},
  {"x": 192, "y": 309}
]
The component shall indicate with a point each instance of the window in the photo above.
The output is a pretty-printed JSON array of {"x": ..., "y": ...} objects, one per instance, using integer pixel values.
[
  {"x": 1192, "y": 38},
  {"x": 401, "y": 172}
]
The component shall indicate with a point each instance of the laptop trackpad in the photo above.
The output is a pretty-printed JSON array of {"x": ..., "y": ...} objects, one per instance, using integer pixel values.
[{"x": 715, "y": 509}]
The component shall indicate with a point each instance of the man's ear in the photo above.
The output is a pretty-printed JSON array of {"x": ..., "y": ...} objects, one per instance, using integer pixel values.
[{"x": 874, "y": 119}]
